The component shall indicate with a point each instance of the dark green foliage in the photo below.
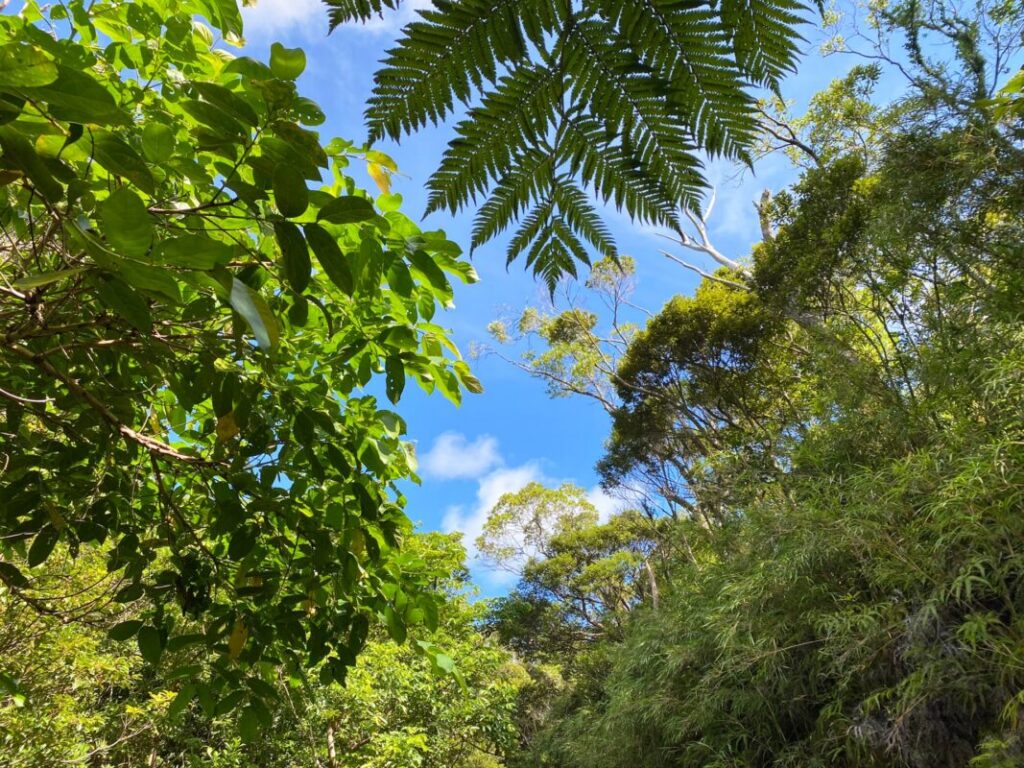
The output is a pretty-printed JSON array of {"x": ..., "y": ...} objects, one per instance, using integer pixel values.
[{"x": 603, "y": 98}]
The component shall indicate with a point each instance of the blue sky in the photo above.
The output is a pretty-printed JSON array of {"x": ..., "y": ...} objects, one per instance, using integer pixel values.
[{"x": 513, "y": 433}]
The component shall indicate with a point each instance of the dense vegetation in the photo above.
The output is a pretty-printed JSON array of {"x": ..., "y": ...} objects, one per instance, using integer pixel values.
[
  {"x": 203, "y": 551},
  {"x": 826, "y": 438}
]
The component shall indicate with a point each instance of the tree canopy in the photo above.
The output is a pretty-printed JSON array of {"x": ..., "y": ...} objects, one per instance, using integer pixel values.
[{"x": 193, "y": 325}]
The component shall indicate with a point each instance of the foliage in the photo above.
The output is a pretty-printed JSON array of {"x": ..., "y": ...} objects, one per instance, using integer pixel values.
[
  {"x": 91, "y": 702},
  {"x": 843, "y": 414},
  {"x": 573, "y": 100},
  {"x": 186, "y": 388}
]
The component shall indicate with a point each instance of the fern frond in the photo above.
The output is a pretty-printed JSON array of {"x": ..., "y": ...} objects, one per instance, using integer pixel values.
[
  {"x": 513, "y": 117},
  {"x": 449, "y": 56},
  {"x": 688, "y": 48},
  {"x": 764, "y": 37},
  {"x": 341, "y": 11},
  {"x": 631, "y": 104},
  {"x": 528, "y": 177},
  {"x": 574, "y": 101}
]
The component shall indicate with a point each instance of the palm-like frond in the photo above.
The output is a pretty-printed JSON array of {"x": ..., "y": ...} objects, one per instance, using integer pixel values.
[{"x": 571, "y": 101}]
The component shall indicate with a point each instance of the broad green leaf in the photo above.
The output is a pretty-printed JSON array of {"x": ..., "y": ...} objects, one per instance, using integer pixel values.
[
  {"x": 151, "y": 644},
  {"x": 469, "y": 381},
  {"x": 330, "y": 257},
  {"x": 42, "y": 545},
  {"x": 12, "y": 575},
  {"x": 215, "y": 118},
  {"x": 228, "y": 101},
  {"x": 257, "y": 314},
  {"x": 35, "y": 281},
  {"x": 294, "y": 255},
  {"x": 121, "y": 160},
  {"x": 394, "y": 381},
  {"x": 290, "y": 191},
  {"x": 193, "y": 252},
  {"x": 157, "y": 142},
  {"x": 125, "y": 301},
  {"x": 78, "y": 97},
  {"x": 125, "y": 630},
  {"x": 155, "y": 280},
  {"x": 422, "y": 261},
  {"x": 10, "y": 107},
  {"x": 22, "y": 64},
  {"x": 395, "y": 625},
  {"x": 127, "y": 224},
  {"x": 18, "y": 152},
  {"x": 287, "y": 63},
  {"x": 347, "y": 210},
  {"x": 181, "y": 701},
  {"x": 249, "y": 725}
]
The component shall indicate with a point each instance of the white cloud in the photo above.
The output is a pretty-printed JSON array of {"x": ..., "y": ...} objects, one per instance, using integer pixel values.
[
  {"x": 270, "y": 18},
  {"x": 470, "y": 522},
  {"x": 489, "y": 491},
  {"x": 453, "y": 456},
  {"x": 390, "y": 22},
  {"x": 605, "y": 504}
]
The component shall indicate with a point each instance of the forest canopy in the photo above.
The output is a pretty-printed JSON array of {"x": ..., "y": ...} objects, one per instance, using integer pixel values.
[{"x": 207, "y": 329}]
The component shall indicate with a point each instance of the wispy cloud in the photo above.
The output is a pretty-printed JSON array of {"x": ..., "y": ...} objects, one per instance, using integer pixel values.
[
  {"x": 453, "y": 456},
  {"x": 390, "y": 22},
  {"x": 274, "y": 18},
  {"x": 469, "y": 520}
]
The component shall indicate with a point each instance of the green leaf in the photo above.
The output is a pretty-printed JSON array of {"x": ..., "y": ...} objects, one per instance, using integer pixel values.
[
  {"x": 155, "y": 280},
  {"x": 294, "y": 255},
  {"x": 444, "y": 662},
  {"x": 287, "y": 63},
  {"x": 395, "y": 625},
  {"x": 330, "y": 257},
  {"x": 347, "y": 210},
  {"x": 42, "y": 545},
  {"x": 127, "y": 302},
  {"x": 35, "y": 281},
  {"x": 193, "y": 252},
  {"x": 19, "y": 153},
  {"x": 151, "y": 644},
  {"x": 257, "y": 314},
  {"x": 290, "y": 191},
  {"x": 157, "y": 142},
  {"x": 228, "y": 101},
  {"x": 10, "y": 574},
  {"x": 13, "y": 689},
  {"x": 182, "y": 700},
  {"x": 394, "y": 382},
  {"x": 121, "y": 160},
  {"x": 125, "y": 630},
  {"x": 469, "y": 381},
  {"x": 426, "y": 265},
  {"x": 127, "y": 224},
  {"x": 249, "y": 725},
  {"x": 78, "y": 98},
  {"x": 22, "y": 64}
]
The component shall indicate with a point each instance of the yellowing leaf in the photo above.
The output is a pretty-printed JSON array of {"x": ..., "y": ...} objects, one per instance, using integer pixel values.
[
  {"x": 380, "y": 177},
  {"x": 239, "y": 634},
  {"x": 227, "y": 427}
]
